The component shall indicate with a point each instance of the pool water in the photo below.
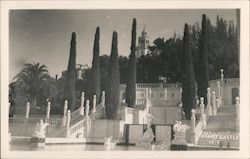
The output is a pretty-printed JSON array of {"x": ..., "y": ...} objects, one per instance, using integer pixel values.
[{"x": 25, "y": 146}]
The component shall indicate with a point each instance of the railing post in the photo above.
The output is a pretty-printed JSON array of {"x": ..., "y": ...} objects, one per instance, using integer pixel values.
[
  {"x": 219, "y": 91},
  {"x": 214, "y": 103},
  {"x": 221, "y": 74},
  {"x": 94, "y": 104},
  {"x": 150, "y": 93},
  {"x": 68, "y": 123},
  {"x": 82, "y": 104},
  {"x": 222, "y": 84},
  {"x": 87, "y": 109},
  {"x": 209, "y": 106},
  {"x": 64, "y": 118},
  {"x": 203, "y": 115},
  {"x": 193, "y": 118},
  {"x": 103, "y": 98},
  {"x": 27, "y": 110},
  {"x": 48, "y": 110},
  {"x": 237, "y": 105}
]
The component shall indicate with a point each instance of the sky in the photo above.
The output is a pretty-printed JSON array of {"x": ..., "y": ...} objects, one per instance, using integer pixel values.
[{"x": 44, "y": 35}]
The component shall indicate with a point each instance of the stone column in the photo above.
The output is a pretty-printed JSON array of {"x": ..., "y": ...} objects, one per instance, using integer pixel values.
[
  {"x": 165, "y": 94},
  {"x": 64, "y": 118},
  {"x": 87, "y": 109},
  {"x": 217, "y": 103},
  {"x": 147, "y": 104},
  {"x": 87, "y": 118},
  {"x": 219, "y": 91},
  {"x": 237, "y": 105},
  {"x": 68, "y": 123},
  {"x": 27, "y": 110},
  {"x": 203, "y": 114},
  {"x": 103, "y": 98},
  {"x": 222, "y": 85},
  {"x": 214, "y": 104},
  {"x": 221, "y": 74},
  {"x": 94, "y": 105},
  {"x": 82, "y": 104},
  {"x": 209, "y": 106},
  {"x": 48, "y": 110},
  {"x": 150, "y": 93},
  {"x": 193, "y": 118}
]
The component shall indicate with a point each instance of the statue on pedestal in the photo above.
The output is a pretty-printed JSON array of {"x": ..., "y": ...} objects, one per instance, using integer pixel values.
[
  {"x": 40, "y": 130},
  {"x": 38, "y": 137},
  {"x": 148, "y": 136},
  {"x": 180, "y": 133}
]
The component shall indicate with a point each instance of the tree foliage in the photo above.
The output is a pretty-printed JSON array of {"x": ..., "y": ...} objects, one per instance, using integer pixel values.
[
  {"x": 95, "y": 70},
  {"x": 202, "y": 69},
  {"x": 112, "y": 93},
  {"x": 32, "y": 84},
  {"x": 69, "y": 87},
  {"x": 131, "y": 80},
  {"x": 165, "y": 55},
  {"x": 188, "y": 81}
]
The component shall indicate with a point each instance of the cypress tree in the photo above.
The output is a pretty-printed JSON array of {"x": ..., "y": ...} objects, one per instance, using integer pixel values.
[
  {"x": 112, "y": 92},
  {"x": 69, "y": 87},
  {"x": 188, "y": 81},
  {"x": 95, "y": 89},
  {"x": 131, "y": 80},
  {"x": 203, "y": 76}
]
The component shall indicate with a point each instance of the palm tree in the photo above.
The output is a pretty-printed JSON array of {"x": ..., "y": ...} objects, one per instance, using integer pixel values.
[{"x": 35, "y": 81}]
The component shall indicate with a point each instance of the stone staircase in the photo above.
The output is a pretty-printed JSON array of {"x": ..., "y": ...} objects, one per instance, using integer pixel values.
[{"x": 221, "y": 129}]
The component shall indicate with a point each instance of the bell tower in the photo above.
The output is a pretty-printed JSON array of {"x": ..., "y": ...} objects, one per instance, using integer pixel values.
[{"x": 143, "y": 43}]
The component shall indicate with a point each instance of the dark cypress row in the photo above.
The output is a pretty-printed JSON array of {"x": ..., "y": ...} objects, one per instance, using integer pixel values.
[
  {"x": 95, "y": 89},
  {"x": 112, "y": 92},
  {"x": 188, "y": 81},
  {"x": 69, "y": 88},
  {"x": 203, "y": 75},
  {"x": 131, "y": 80}
]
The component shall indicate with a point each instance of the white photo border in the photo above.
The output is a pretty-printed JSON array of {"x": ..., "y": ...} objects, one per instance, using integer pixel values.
[{"x": 128, "y": 4}]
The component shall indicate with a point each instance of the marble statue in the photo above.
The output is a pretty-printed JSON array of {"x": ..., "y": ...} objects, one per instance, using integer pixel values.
[
  {"x": 179, "y": 133},
  {"x": 110, "y": 141},
  {"x": 40, "y": 130}
]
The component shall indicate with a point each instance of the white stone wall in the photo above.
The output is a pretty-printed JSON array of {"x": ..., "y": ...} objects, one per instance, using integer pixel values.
[
  {"x": 226, "y": 85},
  {"x": 165, "y": 115},
  {"x": 159, "y": 94},
  {"x": 102, "y": 128}
]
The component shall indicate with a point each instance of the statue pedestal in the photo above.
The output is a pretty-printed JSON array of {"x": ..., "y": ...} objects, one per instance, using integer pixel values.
[
  {"x": 37, "y": 142},
  {"x": 179, "y": 142},
  {"x": 179, "y": 147}
]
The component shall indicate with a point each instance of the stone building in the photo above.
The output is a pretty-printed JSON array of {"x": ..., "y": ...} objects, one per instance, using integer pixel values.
[
  {"x": 143, "y": 43},
  {"x": 80, "y": 70}
]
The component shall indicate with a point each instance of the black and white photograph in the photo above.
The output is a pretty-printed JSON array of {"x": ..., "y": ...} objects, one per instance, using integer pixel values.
[{"x": 143, "y": 79}]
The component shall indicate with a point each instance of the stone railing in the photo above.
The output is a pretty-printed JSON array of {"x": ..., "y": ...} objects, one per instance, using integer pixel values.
[
  {"x": 77, "y": 126},
  {"x": 72, "y": 127},
  {"x": 16, "y": 120},
  {"x": 51, "y": 121},
  {"x": 75, "y": 114},
  {"x": 213, "y": 103},
  {"x": 55, "y": 121},
  {"x": 157, "y": 85},
  {"x": 141, "y": 102}
]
